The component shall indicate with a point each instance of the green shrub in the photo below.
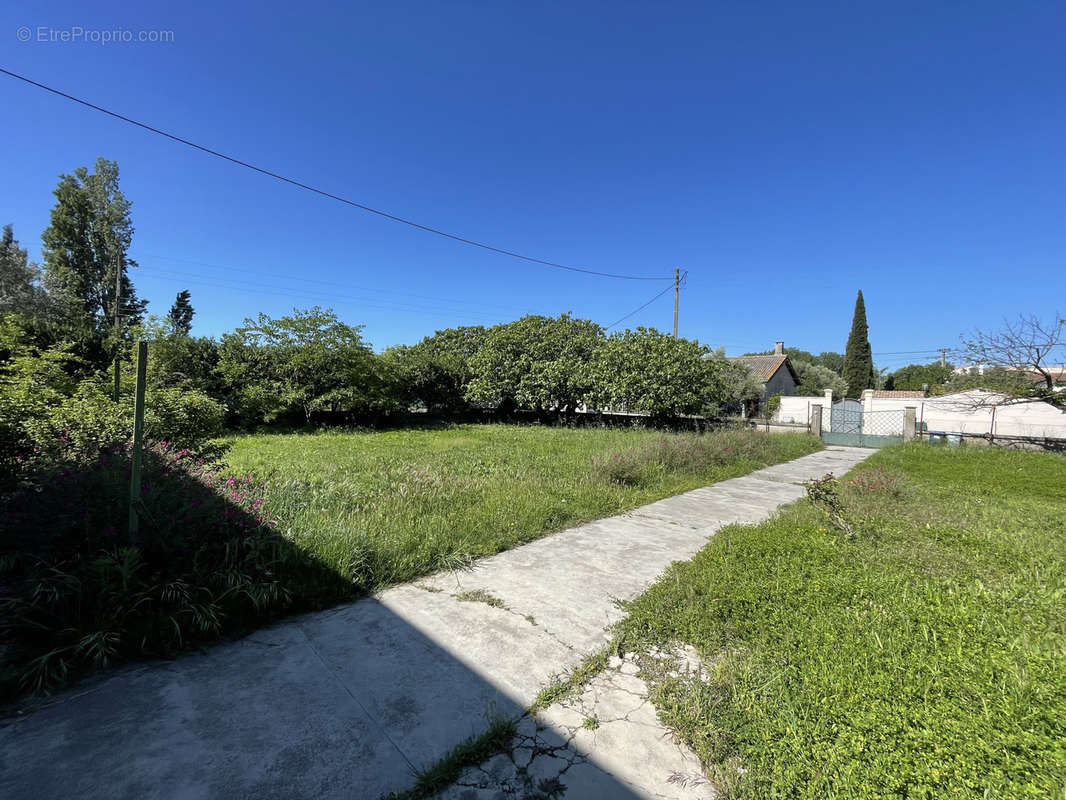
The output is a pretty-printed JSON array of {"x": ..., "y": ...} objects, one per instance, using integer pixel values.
[
  {"x": 88, "y": 422},
  {"x": 82, "y": 593}
]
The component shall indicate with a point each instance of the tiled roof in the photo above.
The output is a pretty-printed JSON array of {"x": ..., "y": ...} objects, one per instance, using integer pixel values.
[
  {"x": 901, "y": 393},
  {"x": 764, "y": 367}
]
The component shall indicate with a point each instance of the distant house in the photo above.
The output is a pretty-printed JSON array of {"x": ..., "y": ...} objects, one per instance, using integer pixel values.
[
  {"x": 774, "y": 371},
  {"x": 899, "y": 394}
]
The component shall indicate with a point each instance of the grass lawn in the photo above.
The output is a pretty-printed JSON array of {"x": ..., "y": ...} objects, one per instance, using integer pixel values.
[
  {"x": 306, "y": 522},
  {"x": 923, "y": 658},
  {"x": 384, "y": 507}
]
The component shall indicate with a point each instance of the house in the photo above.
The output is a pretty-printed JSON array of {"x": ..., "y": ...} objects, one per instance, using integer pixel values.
[
  {"x": 898, "y": 394},
  {"x": 774, "y": 371}
]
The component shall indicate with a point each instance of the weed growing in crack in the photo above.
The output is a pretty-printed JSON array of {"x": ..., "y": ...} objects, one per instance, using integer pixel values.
[
  {"x": 480, "y": 596},
  {"x": 468, "y": 753},
  {"x": 577, "y": 679}
]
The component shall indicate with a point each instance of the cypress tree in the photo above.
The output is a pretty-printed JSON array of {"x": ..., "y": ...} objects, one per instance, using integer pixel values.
[
  {"x": 858, "y": 358},
  {"x": 181, "y": 314}
]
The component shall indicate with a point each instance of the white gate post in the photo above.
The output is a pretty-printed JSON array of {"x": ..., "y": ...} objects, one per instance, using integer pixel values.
[
  {"x": 867, "y": 409},
  {"x": 827, "y": 417}
]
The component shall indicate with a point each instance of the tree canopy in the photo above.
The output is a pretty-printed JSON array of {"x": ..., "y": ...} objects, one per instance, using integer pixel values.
[
  {"x": 650, "y": 372},
  {"x": 915, "y": 377},
  {"x": 307, "y": 363},
  {"x": 84, "y": 250},
  {"x": 539, "y": 363}
]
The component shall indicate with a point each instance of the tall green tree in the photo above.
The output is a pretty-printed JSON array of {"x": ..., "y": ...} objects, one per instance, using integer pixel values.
[
  {"x": 20, "y": 290},
  {"x": 858, "y": 357},
  {"x": 919, "y": 376},
  {"x": 649, "y": 372},
  {"x": 436, "y": 371},
  {"x": 306, "y": 365},
  {"x": 181, "y": 314},
  {"x": 85, "y": 249},
  {"x": 536, "y": 363}
]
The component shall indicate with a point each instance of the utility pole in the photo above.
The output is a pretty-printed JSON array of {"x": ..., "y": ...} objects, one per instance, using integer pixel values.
[
  {"x": 943, "y": 356},
  {"x": 118, "y": 324},
  {"x": 677, "y": 288}
]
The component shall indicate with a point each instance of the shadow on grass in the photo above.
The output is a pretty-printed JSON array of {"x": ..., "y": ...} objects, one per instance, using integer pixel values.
[
  {"x": 78, "y": 592},
  {"x": 356, "y": 702}
]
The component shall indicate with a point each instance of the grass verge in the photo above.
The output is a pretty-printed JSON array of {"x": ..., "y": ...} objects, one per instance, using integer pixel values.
[{"x": 924, "y": 657}]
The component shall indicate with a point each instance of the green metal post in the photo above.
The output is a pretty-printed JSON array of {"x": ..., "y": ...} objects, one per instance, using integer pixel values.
[{"x": 138, "y": 434}]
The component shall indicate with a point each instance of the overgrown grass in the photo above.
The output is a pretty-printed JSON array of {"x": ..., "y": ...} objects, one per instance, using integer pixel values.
[
  {"x": 325, "y": 517},
  {"x": 923, "y": 658},
  {"x": 385, "y": 507}
]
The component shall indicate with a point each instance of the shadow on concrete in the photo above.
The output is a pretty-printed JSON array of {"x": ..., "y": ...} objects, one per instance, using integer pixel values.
[
  {"x": 202, "y": 565},
  {"x": 345, "y": 703}
]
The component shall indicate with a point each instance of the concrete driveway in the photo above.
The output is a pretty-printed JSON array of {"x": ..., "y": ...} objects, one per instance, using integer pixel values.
[{"x": 347, "y": 703}]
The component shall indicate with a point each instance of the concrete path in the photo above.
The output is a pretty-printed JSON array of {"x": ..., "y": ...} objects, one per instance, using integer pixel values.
[{"x": 347, "y": 703}]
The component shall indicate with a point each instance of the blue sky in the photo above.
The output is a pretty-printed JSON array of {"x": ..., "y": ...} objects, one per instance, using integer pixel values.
[{"x": 785, "y": 154}]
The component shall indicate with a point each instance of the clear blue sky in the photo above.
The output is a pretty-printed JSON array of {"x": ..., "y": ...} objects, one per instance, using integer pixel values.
[{"x": 786, "y": 154}]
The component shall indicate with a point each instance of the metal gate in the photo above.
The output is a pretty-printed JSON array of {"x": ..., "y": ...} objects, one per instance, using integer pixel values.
[{"x": 850, "y": 426}]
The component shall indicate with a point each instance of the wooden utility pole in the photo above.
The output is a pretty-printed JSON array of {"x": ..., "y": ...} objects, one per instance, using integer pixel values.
[
  {"x": 943, "y": 356},
  {"x": 677, "y": 288},
  {"x": 138, "y": 436},
  {"x": 118, "y": 324}
]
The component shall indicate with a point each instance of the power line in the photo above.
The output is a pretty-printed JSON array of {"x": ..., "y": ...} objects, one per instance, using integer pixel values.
[
  {"x": 641, "y": 308},
  {"x": 326, "y": 296},
  {"x": 301, "y": 280},
  {"x": 907, "y": 352},
  {"x": 322, "y": 192}
]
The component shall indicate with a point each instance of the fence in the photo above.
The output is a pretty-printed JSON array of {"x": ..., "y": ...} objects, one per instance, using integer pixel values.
[{"x": 967, "y": 415}]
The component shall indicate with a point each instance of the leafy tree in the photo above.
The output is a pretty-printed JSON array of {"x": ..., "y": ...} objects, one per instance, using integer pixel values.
[
  {"x": 815, "y": 379},
  {"x": 539, "y": 363},
  {"x": 858, "y": 369},
  {"x": 177, "y": 361},
  {"x": 181, "y": 314},
  {"x": 436, "y": 372},
  {"x": 915, "y": 377},
  {"x": 20, "y": 288},
  {"x": 828, "y": 359},
  {"x": 650, "y": 372},
  {"x": 305, "y": 364},
  {"x": 32, "y": 380},
  {"x": 84, "y": 248},
  {"x": 743, "y": 390}
]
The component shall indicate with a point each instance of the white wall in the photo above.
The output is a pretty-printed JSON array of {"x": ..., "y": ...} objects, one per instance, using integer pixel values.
[
  {"x": 956, "y": 414},
  {"x": 797, "y": 409},
  {"x": 950, "y": 413}
]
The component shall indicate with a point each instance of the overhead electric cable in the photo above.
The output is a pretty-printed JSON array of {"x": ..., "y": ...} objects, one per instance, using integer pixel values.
[
  {"x": 641, "y": 308},
  {"x": 322, "y": 192}
]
